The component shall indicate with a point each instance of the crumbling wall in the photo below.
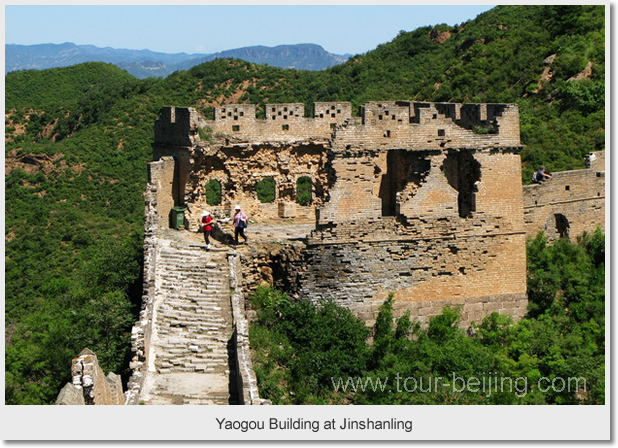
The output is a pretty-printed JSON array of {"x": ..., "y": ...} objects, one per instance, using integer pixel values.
[
  {"x": 482, "y": 274},
  {"x": 90, "y": 386},
  {"x": 568, "y": 204},
  {"x": 247, "y": 381},
  {"x": 410, "y": 125},
  {"x": 432, "y": 251},
  {"x": 161, "y": 175},
  {"x": 239, "y": 168},
  {"x": 141, "y": 331},
  {"x": 419, "y": 199},
  {"x": 177, "y": 126}
]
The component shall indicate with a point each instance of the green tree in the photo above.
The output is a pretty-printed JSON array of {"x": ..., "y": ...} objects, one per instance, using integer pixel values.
[
  {"x": 213, "y": 192},
  {"x": 265, "y": 189},
  {"x": 304, "y": 187}
]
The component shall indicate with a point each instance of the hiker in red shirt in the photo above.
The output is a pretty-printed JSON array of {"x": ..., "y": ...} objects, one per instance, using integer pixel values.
[{"x": 207, "y": 227}]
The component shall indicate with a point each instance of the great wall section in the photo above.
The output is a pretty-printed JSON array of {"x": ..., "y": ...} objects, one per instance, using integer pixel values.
[{"x": 420, "y": 200}]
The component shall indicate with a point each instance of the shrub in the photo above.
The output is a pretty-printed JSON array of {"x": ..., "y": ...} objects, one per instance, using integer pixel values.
[
  {"x": 213, "y": 192},
  {"x": 206, "y": 134},
  {"x": 303, "y": 190},
  {"x": 266, "y": 190}
]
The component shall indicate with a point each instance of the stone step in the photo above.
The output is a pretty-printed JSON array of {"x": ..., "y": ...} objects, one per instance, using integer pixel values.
[{"x": 193, "y": 326}]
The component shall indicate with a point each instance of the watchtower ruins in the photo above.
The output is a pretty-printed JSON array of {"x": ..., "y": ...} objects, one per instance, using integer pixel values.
[{"x": 419, "y": 200}]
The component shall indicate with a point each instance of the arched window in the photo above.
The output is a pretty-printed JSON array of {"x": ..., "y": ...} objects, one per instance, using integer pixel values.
[
  {"x": 266, "y": 190},
  {"x": 213, "y": 192},
  {"x": 303, "y": 190}
]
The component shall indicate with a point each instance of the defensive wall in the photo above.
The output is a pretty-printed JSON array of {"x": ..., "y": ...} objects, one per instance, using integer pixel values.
[
  {"x": 144, "y": 364},
  {"x": 423, "y": 200},
  {"x": 570, "y": 203},
  {"x": 420, "y": 200}
]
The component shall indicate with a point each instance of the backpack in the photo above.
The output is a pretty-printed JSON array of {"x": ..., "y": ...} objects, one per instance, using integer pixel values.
[{"x": 534, "y": 178}]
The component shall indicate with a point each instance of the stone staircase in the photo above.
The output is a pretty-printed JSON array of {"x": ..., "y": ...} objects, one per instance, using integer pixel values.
[{"x": 191, "y": 357}]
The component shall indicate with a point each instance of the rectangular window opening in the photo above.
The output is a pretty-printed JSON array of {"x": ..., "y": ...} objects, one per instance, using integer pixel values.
[
  {"x": 285, "y": 127},
  {"x": 236, "y": 128},
  {"x": 441, "y": 132}
]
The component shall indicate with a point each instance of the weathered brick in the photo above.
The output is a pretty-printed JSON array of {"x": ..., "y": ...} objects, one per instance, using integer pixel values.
[{"x": 394, "y": 206}]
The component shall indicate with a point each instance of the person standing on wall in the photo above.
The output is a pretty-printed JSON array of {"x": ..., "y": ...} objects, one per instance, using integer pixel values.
[
  {"x": 240, "y": 224},
  {"x": 207, "y": 227}
]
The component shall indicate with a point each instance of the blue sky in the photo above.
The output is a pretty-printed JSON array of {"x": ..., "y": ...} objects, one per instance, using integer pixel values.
[{"x": 210, "y": 28}]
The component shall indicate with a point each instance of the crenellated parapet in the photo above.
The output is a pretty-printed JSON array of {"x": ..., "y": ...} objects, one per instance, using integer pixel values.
[
  {"x": 422, "y": 126},
  {"x": 380, "y": 124}
]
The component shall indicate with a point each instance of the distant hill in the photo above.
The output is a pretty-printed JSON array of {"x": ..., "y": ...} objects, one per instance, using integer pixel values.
[{"x": 147, "y": 64}]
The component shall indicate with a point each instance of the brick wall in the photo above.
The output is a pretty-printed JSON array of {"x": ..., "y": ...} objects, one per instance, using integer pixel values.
[
  {"x": 161, "y": 178},
  {"x": 424, "y": 275},
  {"x": 426, "y": 253},
  {"x": 423, "y": 200},
  {"x": 239, "y": 168},
  {"x": 571, "y": 202}
]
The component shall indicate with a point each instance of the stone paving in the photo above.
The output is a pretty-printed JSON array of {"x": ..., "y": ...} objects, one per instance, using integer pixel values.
[
  {"x": 191, "y": 355},
  {"x": 191, "y": 359}
]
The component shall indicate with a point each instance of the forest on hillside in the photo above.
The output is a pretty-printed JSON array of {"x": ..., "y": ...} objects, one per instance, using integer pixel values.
[{"x": 78, "y": 140}]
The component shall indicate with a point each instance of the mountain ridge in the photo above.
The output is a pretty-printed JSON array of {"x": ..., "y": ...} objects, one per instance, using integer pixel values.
[{"x": 147, "y": 63}]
